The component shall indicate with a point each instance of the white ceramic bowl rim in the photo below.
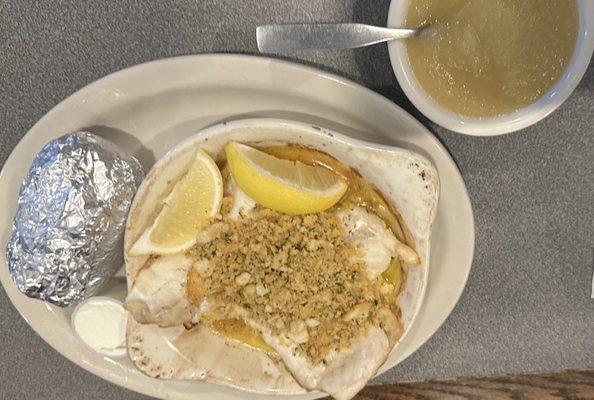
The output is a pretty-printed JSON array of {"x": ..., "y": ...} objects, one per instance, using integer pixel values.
[{"x": 502, "y": 124}]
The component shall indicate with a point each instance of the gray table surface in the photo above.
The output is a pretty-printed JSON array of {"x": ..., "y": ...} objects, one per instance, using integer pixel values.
[{"x": 527, "y": 304}]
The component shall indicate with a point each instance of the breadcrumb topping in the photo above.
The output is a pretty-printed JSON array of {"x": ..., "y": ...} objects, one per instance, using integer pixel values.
[{"x": 295, "y": 275}]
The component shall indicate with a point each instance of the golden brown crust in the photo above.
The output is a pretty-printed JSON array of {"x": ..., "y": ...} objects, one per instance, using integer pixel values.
[
  {"x": 195, "y": 287},
  {"x": 295, "y": 275}
]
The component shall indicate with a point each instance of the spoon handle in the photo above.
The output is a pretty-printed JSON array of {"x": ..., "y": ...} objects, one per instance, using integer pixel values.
[{"x": 300, "y": 37}]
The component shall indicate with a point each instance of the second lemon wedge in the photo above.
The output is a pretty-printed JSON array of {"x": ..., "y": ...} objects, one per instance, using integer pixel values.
[
  {"x": 287, "y": 186},
  {"x": 195, "y": 197}
]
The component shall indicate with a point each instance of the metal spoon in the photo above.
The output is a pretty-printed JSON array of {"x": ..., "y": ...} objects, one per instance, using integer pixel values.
[{"x": 300, "y": 37}]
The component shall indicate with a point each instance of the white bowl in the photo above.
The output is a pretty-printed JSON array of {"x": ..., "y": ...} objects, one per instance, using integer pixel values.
[{"x": 502, "y": 124}]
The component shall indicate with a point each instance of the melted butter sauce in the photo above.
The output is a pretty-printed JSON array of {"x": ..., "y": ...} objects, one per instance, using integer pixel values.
[
  {"x": 393, "y": 274},
  {"x": 359, "y": 193},
  {"x": 237, "y": 330}
]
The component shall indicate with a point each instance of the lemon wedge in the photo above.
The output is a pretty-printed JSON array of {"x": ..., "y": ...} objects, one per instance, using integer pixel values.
[
  {"x": 195, "y": 197},
  {"x": 287, "y": 186}
]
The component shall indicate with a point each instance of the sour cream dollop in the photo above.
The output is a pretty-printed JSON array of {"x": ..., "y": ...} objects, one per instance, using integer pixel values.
[{"x": 100, "y": 322}]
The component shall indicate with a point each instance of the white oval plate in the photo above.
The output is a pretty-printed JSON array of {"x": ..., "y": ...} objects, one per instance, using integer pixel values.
[{"x": 149, "y": 108}]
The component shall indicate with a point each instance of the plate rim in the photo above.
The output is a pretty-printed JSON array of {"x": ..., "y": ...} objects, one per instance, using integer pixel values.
[{"x": 306, "y": 69}]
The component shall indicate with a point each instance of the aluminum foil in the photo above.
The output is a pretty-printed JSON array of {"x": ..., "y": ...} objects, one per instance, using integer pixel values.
[{"x": 67, "y": 237}]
